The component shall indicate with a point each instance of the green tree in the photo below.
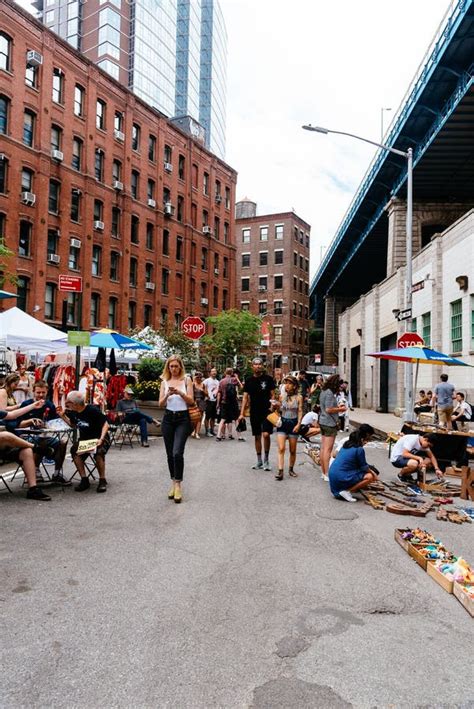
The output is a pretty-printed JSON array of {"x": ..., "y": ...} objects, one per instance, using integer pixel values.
[
  {"x": 6, "y": 276},
  {"x": 169, "y": 341},
  {"x": 234, "y": 333}
]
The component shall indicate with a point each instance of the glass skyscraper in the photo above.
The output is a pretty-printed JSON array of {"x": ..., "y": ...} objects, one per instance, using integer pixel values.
[{"x": 171, "y": 53}]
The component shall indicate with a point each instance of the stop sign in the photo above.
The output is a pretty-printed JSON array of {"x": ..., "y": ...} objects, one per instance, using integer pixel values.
[
  {"x": 410, "y": 339},
  {"x": 193, "y": 327}
]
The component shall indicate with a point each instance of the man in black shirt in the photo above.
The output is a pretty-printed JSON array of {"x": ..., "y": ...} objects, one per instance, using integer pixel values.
[
  {"x": 258, "y": 390},
  {"x": 92, "y": 424}
]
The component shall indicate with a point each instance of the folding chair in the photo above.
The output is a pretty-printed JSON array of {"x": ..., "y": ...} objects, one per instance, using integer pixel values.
[
  {"x": 126, "y": 434},
  {"x": 90, "y": 465}
]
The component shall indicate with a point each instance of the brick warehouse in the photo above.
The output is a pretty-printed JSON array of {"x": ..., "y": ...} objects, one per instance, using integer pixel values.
[
  {"x": 273, "y": 280},
  {"x": 94, "y": 182}
]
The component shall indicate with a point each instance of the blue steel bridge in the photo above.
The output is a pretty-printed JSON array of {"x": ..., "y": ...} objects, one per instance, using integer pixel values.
[{"x": 436, "y": 119}]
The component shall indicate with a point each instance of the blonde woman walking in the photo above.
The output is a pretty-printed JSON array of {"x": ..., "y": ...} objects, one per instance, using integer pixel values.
[
  {"x": 291, "y": 412},
  {"x": 176, "y": 394}
]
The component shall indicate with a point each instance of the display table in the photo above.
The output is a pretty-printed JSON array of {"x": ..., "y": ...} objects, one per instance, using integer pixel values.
[{"x": 449, "y": 446}]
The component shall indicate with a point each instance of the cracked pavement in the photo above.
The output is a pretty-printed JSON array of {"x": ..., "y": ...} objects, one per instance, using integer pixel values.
[{"x": 251, "y": 593}]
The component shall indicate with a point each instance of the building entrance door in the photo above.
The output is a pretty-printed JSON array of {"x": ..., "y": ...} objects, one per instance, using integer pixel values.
[
  {"x": 388, "y": 376},
  {"x": 355, "y": 375}
]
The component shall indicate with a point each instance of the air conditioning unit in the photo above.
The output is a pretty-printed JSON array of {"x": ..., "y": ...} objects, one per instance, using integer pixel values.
[
  {"x": 2, "y": 157},
  {"x": 216, "y": 271},
  {"x": 151, "y": 203},
  {"x": 168, "y": 167},
  {"x": 168, "y": 208},
  {"x": 57, "y": 155},
  {"x": 204, "y": 301},
  {"x": 54, "y": 258},
  {"x": 28, "y": 197},
  {"x": 118, "y": 135},
  {"x": 76, "y": 243},
  {"x": 149, "y": 285},
  {"x": 34, "y": 58},
  {"x": 206, "y": 230},
  {"x": 99, "y": 225},
  {"x": 262, "y": 288},
  {"x": 117, "y": 185},
  {"x": 218, "y": 199}
]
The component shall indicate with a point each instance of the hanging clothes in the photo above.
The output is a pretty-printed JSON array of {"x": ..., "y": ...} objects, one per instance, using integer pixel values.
[
  {"x": 112, "y": 363},
  {"x": 115, "y": 388},
  {"x": 100, "y": 360}
]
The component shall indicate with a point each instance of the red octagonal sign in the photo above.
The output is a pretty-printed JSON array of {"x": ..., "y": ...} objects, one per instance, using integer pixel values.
[
  {"x": 410, "y": 339},
  {"x": 193, "y": 327}
]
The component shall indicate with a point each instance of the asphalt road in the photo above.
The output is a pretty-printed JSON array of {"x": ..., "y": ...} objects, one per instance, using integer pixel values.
[{"x": 251, "y": 593}]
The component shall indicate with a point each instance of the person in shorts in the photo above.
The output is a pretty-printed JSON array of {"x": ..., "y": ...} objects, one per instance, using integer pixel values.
[
  {"x": 443, "y": 396},
  {"x": 309, "y": 425},
  {"x": 290, "y": 407},
  {"x": 329, "y": 420},
  {"x": 258, "y": 392},
  {"x": 412, "y": 454}
]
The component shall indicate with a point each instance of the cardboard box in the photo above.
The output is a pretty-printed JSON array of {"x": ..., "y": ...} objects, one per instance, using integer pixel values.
[
  {"x": 414, "y": 552},
  {"x": 440, "y": 578}
]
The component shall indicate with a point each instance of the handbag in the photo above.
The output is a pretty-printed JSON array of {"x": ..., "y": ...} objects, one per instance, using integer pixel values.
[
  {"x": 195, "y": 413},
  {"x": 274, "y": 418},
  {"x": 241, "y": 426}
]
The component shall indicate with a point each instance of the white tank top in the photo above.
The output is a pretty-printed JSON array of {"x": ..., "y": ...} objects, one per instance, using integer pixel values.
[{"x": 175, "y": 402}]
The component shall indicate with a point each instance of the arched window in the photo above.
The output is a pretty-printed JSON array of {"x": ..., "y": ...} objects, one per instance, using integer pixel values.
[
  {"x": 4, "y": 111},
  {"x": 5, "y": 52}
]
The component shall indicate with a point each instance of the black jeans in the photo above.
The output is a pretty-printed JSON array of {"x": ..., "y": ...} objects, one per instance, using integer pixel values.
[
  {"x": 141, "y": 419},
  {"x": 175, "y": 427}
]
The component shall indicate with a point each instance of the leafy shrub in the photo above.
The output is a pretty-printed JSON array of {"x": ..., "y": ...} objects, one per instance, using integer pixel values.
[
  {"x": 150, "y": 369},
  {"x": 147, "y": 391}
]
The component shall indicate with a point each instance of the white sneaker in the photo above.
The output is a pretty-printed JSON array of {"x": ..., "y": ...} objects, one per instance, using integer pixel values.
[
  {"x": 325, "y": 478},
  {"x": 346, "y": 495}
]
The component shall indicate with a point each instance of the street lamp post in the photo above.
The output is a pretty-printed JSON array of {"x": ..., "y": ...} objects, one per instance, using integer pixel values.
[{"x": 408, "y": 155}]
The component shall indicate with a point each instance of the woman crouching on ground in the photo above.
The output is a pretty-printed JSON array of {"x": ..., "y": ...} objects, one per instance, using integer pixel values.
[
  {"x": 350, "y": 471},
  {"x": 176, "y": 394},
  {"x": 291, "y": 412}
]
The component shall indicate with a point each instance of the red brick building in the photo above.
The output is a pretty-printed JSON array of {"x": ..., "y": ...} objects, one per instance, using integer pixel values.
[
  {"x": 96, "y": 183},
  {"x": 273, "y": 280}
]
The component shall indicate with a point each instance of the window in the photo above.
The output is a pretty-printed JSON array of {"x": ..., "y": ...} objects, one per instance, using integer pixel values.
[
  {"x": 262, "y": 283},
  {"x": 245, "y": 284},
  {"x": 150, "y": 190},
  {"x": 306, "y": 288},
  {"x": 165, "y": 284},
  {"x": 151, "y": 148},
  {"x": 306, "y": 265},
  {"x": 5, "y": 52},
  {"x": 96, "y": 260},
  {"x": 278, "y": 307},
  {"x": 181, "y": 164},
  {"x": 116, "y": 170},
  {"x": 245, "y": 305},
  {"x": 279, "y": 231},
  {"x": 149, "y": 273},
  {"x": 301, "y": 286},
  {"x": 205, "y": 183},
  {"x": 112, "y": 321},
  {"x": 262, "y": 307},
  {"x": 278, "y": 282},
  {"x": 71, "y": 308},
  {"x": 98, "y": 210},
  {"x": 74, "y": 254},
  {"x": 293, "y": 338},
  {"x": 31, "y": 76},
  {"x": 180, "y": 209},
  {"x": 4, "y": 110},
  {"x": 178, "y": 289},
  {"x": 24, "y": 241},
  {"x": 179, "y": 248},
  {"x": 164, "y": 316},
  {"x": 246, "y": 236},
  {"x": 118, "y": 121},
  {"x": 76, "y": 161},
  {"x": 79, "y": 95},
  {"x": 194, "y": 175},
  {"x": 147, "y": 315},
  {"x": 263, "y": 233},
  {"x": 22, "y": 288},
  {"x": 456, "y": 326},
  {"x": 150, "y": 236},
  {"x": 55, "y": 137},
  {"x": 301, "y": 237},
  {"x": 133, "y": 272},
  {"x": 134, "y": 229},
  {"x": 193, "y": 254},
  {"x": 295, "y": 258},
  {"x": 135, "y": 137},
  {"x": 225, "y": 297},
  {"x": 226, "y": 232},
  {"x": 295, "y": 307},
  {"x": 216, "y": 264},
  {"x": 279, "y": 256},
  {"x": 95, "y": 306},
  {"x": 301, "y": 263},
  {"x": 225, "y": 269},
  {"x": 50, "y": 301},
  {"x": 100, "y": 114},
  {"x": 295, "y": 230},
  {"x": 58, "y": 85},
  {"x": 167, "y": 154},
  {"x": 227, "y": 197},
  {"x": 217, "y": 227},
  {"x": 426, "y": 328},
  {"x": 115, "y": 226},
  {"x": 300, "y": 310},
  {"x": 28, "y": 128},
  {"x": 245, "y": 260},
  {"x": 205, "y": 217},
  {"x": 134, "y": 184},
  {"x": 263, "y": 258},
  {"x": 277, "y": 333},
  {"x": 215, "y": 297},
  {"x": 99, "y": 165},
  {"x": 26, "y": 180},
  {"x": 75, "y": 205},
  {"x": 166, "y": 242},
  {"x": 166, "y": 195},
  {"x": 53, "y": 201},
  {"x": 3, "y": 176},
  {"x": 194, "y": 214},
  {"x": 114, "y": 265},
  {"x": 413, "y": 325},
  {"x": 132, "y": 315},
  {"x": 204, "y": 258}
]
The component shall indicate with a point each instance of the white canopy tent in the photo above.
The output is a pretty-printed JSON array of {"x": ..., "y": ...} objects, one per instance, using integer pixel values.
[{"x": 21, "y": 331}]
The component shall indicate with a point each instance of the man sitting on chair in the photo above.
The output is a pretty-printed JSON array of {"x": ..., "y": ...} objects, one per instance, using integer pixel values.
[
  {"x": 92, "y": 425},
  {"x": 128, "y": 408}
]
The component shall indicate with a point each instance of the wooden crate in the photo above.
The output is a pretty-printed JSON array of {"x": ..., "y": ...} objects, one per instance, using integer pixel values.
[
  {"x": 404, "y": 543},
  {"x": 463, "y": 598},
  {"x": 440, "y": 578},
  {"x": 421, "y": 560}
]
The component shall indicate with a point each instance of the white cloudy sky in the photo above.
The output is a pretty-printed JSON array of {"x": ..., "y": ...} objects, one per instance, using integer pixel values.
[{"x": 333, "y": 63}]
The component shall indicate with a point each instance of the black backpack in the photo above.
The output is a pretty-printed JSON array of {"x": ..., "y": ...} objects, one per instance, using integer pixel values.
[{"x": 230, "y": 396}]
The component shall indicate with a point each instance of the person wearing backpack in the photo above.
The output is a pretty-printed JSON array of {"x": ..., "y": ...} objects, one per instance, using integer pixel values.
[
  {"x": 227, "y": 403},
  {"x": 462, "y": 412}
]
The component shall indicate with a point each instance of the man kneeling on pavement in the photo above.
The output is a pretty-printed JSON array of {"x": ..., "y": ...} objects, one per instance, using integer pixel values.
[
  {"x": 412, "y": 454},
  {"x": 92, "y": 425}
]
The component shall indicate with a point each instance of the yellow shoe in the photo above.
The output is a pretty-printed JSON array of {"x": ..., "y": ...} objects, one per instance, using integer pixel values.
[
  {"x": 171, "y": 494},
  {"x": 177, "y": 494}
]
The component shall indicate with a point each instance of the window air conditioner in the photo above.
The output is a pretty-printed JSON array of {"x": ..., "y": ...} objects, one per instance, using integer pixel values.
[
  {"x": 54, "y": 258},
  {"x": 76, "y": 243},
  {"x": 169, "y": 209},
  {"x": 151, "y": 202},
  {"x": 262, "y": 288},
  {"x": 2, "y": 157},
  {"x": 57, "y": 155},
  {"x": 204, "y": 301},
  {"x": 99, "y": 225},
  {"x": 28, "y": 197},
  {"x": 206, "y": 230},
  {"x": 118, "y": 185},
  {"x": 168, "y": 167},
  {"x": 218, "y": 199},
  {"x": 118, "y": 135},
  {"x": 34, "y": 58},
  {"x": 149, "y": 285},
  {"x": 216, "y": 271}
]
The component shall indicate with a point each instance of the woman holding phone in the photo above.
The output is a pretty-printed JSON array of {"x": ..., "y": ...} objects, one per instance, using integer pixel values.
[{"x": 176, "y": 394}]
